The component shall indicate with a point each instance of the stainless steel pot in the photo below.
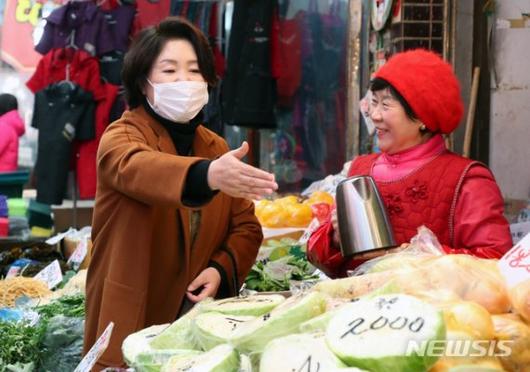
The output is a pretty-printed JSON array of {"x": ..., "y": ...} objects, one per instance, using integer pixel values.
[{"x": 363, "y": 221}]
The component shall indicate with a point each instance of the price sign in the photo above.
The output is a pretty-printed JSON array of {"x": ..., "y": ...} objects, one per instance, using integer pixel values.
[
  {"x": 57, "y": 238},
  {"x": 51, "y": 274},
  {"x": 96, "y": 350},
  {"x": 307, "y": 233},
  {"x": 515, "y": 264},
  {"x": 12, "y": 272},
  {"x": 79, "y": 254}
]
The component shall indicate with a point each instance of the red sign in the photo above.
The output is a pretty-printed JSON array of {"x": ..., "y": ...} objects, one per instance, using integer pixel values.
[{"x": 22, "y": 28}]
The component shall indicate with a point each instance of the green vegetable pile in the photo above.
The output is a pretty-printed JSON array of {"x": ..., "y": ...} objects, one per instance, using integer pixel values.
[
  {"x": 279, "y": 263},
  {"x": 27, "y": 347},
  {"x": 70, "y": 306},
  {"x": 20, "y": 343}
]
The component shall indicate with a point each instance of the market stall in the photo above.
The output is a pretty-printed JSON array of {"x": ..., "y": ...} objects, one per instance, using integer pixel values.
[
  {"x": 410, "y": 307},
  {"x": 442, "y": 313}
]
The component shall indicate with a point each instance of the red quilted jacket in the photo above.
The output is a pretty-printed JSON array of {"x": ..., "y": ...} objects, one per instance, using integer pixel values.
[{"x": 455, "y": 197}]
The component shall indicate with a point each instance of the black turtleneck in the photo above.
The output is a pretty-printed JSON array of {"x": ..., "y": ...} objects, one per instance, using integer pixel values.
[{"x": 196, "y": 190}]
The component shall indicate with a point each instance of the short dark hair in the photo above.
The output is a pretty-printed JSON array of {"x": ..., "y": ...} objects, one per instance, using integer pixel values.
[
  {"x": 8, "y": 102},
  {"x": 378, "y": 84},
  {"x": 147, "y": 46}
]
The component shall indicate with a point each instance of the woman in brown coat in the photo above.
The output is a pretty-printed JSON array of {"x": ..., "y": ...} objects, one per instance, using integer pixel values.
[{"x": 173, "y": 223}]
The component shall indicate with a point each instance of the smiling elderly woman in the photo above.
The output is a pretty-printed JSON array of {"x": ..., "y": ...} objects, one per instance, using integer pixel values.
[{"x": 416, "y": 99}]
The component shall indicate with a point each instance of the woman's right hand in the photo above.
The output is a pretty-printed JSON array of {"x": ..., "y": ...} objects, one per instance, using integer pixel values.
[
  {"x": 237, "y": 179},
  {"x": 335, "y": 224}
]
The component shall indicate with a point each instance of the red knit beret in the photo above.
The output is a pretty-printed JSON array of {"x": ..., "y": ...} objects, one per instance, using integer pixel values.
[{"x": 429, "y": 86}]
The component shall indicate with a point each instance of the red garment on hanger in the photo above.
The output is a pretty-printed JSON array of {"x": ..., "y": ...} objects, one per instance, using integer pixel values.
[
  {"x": 287, "y": 58},
  {"x": 220, "y": 63},
  {"x": 84, "y": 71},
  {"x": 87, "y": 150},
  {"x": 151, "y": 12}
]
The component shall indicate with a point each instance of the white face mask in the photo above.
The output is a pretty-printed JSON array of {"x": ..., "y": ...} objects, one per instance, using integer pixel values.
[{"x": 179, "y": 101}]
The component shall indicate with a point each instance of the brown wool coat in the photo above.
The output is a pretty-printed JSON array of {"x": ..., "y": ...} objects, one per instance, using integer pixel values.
[{"x": 143, "y": 257}]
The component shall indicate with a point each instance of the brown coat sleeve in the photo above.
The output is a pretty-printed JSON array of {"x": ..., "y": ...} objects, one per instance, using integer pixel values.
[
  {"x": 130, "y": 164},
  {"x": 239, "y": 251}
]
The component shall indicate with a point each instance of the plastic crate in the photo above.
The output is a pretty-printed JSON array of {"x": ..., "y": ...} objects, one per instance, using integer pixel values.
[{"x": 12, "y": 183}]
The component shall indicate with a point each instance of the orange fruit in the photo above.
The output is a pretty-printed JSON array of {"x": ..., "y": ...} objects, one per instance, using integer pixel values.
[
  {"x": 290, "y": 199},
  {"x": 299, "y": 215},
  {"x": 272, "y": 215},
  {"x": 320, "y": 197}
]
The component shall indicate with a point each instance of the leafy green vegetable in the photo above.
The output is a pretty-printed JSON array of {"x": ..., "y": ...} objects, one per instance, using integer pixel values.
[
  {"x": 62, "y": 345},
  {"x": 66, "y": 278},
  {"x": 69, "y": 306},
  {"x": 20, "y": 343},
  {"x": 275, "y": 275}
]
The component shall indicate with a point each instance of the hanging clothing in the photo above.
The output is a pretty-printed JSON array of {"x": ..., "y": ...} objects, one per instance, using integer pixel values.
[
  {"x": 62, "y": 112},
  {"x": 220, "y": 61},
  {"x": 87, "y": 150},
  {"x": 120, "y": 20},
  {"x": 81, "y": 24},
  {"x": 248, "y": 91},
  {"x": 11, "y": 128},
  {"x": 151, "y": 12},
  {"x": 319, "y": 104},
  {"x": 110, "y": 66},
  {"x": 83, "y": 70},
  {"x": 286, "y": 58}
]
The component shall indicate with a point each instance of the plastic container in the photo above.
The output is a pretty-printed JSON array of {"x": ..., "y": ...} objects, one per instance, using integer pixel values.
[
  {"x": 17, "y": 207},
  {"x": 4, "y": 227},
  {"x": 3, "y": 206},
  {"x": 12, "y": 183},
  {"x": 39, "y": 214}
]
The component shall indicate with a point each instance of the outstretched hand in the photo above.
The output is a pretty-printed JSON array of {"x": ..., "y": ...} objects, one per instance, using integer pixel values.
[{"x": 233, "y": 177}]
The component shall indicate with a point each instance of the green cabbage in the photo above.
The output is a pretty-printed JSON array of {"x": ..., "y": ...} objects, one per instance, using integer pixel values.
[
  {"x": 178, "y": 335},
  {"x": 138, "y": 342},
  {"x": 212, "y": 329},
  {"x": 252, "y": 336},
  {"x": 249, "y": 305},
  {"x": 245, "y": 363},
  {"x": 374, "y": 333},
  {"x": 222, "y": 358},
  {"x": 152, "y": 361},
  {"x": 317, "y": 324},
  {"x": 301, "y": 352}
]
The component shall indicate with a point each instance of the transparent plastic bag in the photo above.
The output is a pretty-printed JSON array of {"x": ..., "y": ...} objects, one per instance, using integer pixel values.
[
  {"x": 520, "y": 299},
  {"x": 63, "y": 342},
  {"x": 511, "y": 328},
  {"x": 423, "y": 246},
  {"x": 460, "y": 276}
]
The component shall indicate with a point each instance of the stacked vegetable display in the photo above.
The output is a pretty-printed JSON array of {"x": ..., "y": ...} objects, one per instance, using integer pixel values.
[
  {"x": 405, "y": 312},
  {"x": 51, "y": 341},
  {"x": 44, "y": 334}
]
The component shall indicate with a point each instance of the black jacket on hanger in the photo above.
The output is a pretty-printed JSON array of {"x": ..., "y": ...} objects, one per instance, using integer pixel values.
[
  {"x": 63, "y": 112},
  {"x": 248, "y": 90}
]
